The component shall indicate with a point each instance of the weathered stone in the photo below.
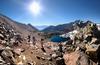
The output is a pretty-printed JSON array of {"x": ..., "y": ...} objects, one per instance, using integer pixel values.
[
  {"x": 3, "y": 42},
  {"x": 7, "y": 55},
  {"x": 29, "y": 63},
  {"x": 60, "y": 54},
  {"x": 17, "y": 51},
  {"x": 77, "y": 49},
  {"x": 54, "y": 48},
  {"x": 92, "y": 48},
  {"x": 92, "y": 51},
  {"x": 49, "y": 58},
  {"x": 21, "y": 60},
  {"x": 2, "y": 47},
  {"x": 88, "y": 37},
  {"x": 1, "y": 61},
  {"x": 60, "y": 61},
  {"x": 77, "y": 58},
  {"x": 1, "y": 37},
  {"x": 54, "y": 55},
  {"x": 94, "y": 41}
]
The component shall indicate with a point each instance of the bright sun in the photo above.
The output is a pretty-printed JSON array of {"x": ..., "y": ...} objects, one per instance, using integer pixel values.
[{"x": 35, "y": 8}]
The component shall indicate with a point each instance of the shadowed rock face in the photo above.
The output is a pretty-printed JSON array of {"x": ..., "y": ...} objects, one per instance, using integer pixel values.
[{"x": 77, "y": 58}]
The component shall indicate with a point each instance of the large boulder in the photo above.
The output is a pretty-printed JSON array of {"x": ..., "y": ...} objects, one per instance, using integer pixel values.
[
  {"x": 8, "y": 56},
  {"x": 60, "y": 61},
  {"x": 93, "y": 50},
  {"x": 77, "y": 58},
  {"x": 2, "y": 62}
]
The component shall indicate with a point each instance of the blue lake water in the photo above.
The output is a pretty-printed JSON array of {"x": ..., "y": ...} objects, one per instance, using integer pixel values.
[{"x": 58, "y": 39}]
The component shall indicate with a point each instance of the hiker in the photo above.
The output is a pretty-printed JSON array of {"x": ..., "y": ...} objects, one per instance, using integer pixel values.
[
  {"x": 18, "y": 40},
  {"x": 29, "y": 38},
  {"x": 42, "y": 48},
  {"x": 60, "y": 47},
  {"x": 34, "y": 40}
]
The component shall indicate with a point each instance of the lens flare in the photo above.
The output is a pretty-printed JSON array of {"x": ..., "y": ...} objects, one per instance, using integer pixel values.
[{"x": 35, "y": 8}]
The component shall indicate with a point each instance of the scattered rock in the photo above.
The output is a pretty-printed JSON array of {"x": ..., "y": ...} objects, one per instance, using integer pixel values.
[{"x": 81, "y": 48}]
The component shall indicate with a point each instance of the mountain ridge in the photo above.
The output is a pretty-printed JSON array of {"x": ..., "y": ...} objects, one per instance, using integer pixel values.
[
  {"x": 24, "y": 29},
  {"x": 65, "y": 28}
]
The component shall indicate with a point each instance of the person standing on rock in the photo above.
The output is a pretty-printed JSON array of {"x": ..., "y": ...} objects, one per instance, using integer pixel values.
[
  {"x": 19, "y": 39},
  {"x": 29, "y": 38},
  {"x": 60, "y": 47},
  {"x": 34, "y": 40},
  {"x": 42, "y": 48}
]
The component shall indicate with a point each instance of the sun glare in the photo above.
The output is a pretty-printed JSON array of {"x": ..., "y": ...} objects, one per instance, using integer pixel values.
[{"x": 35, "y": 8}]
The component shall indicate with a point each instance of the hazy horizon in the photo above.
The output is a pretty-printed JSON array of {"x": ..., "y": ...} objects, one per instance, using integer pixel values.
[{"x": 50, "y": 12}]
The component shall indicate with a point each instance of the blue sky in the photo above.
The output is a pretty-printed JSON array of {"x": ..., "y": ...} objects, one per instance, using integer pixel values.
[{"x": 54, "y": 11}]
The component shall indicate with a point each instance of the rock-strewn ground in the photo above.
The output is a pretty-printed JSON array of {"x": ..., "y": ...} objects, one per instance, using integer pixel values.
[
  {"x": 17, "y": 50},
  {"x": 86, "y": 46},
  {"x": 83, "y": 47}
]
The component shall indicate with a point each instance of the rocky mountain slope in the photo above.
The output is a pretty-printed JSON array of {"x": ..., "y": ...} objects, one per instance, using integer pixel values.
[
  {"x": 18, "y": 50},
  {"x": 86, "y": 46},
  {"x": 83, "y": 47},
  {"x": 19, "y": 27},
  {"x": 21, "y": 44}
]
